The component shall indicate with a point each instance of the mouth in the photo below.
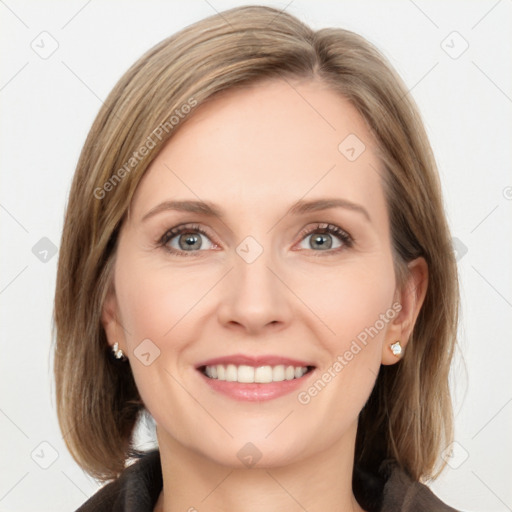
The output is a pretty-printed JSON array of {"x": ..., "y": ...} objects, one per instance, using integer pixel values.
[
  {"x": 250, "y": 378},
  {"x": 246, "y": 374}
]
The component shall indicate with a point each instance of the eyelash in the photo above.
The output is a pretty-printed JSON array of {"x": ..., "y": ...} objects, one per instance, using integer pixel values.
[{"x": 320, "y": 228}]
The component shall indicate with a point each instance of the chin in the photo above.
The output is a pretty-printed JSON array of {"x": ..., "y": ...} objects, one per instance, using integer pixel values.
[{"x": 259, "y": 452}]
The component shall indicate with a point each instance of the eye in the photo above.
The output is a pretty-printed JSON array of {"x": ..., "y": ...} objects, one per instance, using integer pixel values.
[
  {"x": 325, "y": 237},
  {"x": 187, "y": 240},
  {"x": 182, "y": 239}
]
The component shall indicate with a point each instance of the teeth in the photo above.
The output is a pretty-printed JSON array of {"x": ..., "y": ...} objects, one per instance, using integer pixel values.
[
  {"x": 263, "y": 374},
  {"x": 231, "y": 373},
  {"x": 245, "y": 374},
  {"x": 250, "y": 374},
  {"x": 278, "y": 373}
]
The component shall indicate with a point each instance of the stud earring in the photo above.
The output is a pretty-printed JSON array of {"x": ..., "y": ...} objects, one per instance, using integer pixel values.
[
  {"x": 118, "y": 353},
  {"x": 396, "y": 348}
]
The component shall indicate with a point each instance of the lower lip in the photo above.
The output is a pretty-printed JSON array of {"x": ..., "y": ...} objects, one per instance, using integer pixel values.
[{"x": 255, "y": 392}]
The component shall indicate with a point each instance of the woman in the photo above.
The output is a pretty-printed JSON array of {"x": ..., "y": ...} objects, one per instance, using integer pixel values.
[{"x": 255, "y": 252}]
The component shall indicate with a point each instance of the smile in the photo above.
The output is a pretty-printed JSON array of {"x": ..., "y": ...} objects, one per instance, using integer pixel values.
[
  {"x": 249, "y": 374},
  {"x": 254, "y": 378}
]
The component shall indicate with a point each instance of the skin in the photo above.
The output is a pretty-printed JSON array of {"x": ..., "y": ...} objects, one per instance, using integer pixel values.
[{"x": 253, "y": 153}]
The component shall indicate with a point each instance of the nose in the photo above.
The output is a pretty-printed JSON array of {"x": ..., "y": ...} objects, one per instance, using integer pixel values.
[{"x": 254, "y": 299}]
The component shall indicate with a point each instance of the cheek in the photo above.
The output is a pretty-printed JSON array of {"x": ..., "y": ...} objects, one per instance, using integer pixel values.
[
  {"x": 159, "y": 309},
  {"x": 350, "y": 299},
  {"x": 154, "y": 307},
  {"x": 153, "y": 300},
  {"x": 353, "y": 308},
  {"x": 352, "y": 304}
]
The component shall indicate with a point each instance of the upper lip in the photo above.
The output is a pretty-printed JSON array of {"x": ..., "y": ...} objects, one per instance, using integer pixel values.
[{"x": 262, "y": 360}]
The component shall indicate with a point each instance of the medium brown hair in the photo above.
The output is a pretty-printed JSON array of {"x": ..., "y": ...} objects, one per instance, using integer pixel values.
[{"x": 409, "y": 414}]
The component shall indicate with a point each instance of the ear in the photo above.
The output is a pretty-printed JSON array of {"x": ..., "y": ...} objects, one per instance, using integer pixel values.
[
  {"x": 410, "y": 298},
  {"x": 110, "y": 322}
]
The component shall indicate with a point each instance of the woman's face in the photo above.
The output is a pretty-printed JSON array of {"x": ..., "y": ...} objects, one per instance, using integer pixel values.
[{"x": 259, "y": 240}]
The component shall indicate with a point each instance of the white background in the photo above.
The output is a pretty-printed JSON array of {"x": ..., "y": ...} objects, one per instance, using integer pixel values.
[{"x": 48, "y": 105}]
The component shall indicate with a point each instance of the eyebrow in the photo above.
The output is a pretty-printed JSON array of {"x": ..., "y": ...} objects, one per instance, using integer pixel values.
[{"x": 300, "y": 207}]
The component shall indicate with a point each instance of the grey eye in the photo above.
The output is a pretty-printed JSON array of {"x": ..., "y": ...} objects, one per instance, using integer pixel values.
[
  {"x": 320, "y": 241},
  {"x": 190, "y": 242}
]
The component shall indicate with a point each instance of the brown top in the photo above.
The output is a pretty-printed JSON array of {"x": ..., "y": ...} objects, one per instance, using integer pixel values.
[{"x": 137, "y": 490}]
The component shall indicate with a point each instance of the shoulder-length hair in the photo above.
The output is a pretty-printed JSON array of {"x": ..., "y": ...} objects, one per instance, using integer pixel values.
[{"x": 408, "y": 416}]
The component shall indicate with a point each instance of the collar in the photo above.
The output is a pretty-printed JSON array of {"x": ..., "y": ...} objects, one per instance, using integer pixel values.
[{"x": 138, "y": 487}]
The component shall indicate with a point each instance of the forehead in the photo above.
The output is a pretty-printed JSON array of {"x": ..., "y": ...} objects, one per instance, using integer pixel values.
[{"x": 276, "y": 141}]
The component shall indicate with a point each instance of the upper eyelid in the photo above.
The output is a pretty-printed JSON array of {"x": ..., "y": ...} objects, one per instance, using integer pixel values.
[{"x": 183, "y": 227}]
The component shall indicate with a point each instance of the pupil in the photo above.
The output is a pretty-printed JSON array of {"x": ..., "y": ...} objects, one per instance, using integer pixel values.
[
  {"x": 322, "y": 241},
  {"x": 189, "y": 241}
]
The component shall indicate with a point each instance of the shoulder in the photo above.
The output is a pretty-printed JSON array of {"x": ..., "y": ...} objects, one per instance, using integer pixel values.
[
  {"x": 392, "y": 489},
  {"x": 136, "y": 489},
  {"x": 410, "y": 495}
]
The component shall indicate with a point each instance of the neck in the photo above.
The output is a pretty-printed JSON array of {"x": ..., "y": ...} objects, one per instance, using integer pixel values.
[{"x": 192, "y": 482}]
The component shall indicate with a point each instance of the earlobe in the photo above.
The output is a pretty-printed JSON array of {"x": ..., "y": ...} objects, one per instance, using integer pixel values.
[
  {"x": 396, "y": 348},
  {"x": 109, "y": 320},
  {"x": 392, "y": 352},
  {"x": 411, "y": 298}
]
